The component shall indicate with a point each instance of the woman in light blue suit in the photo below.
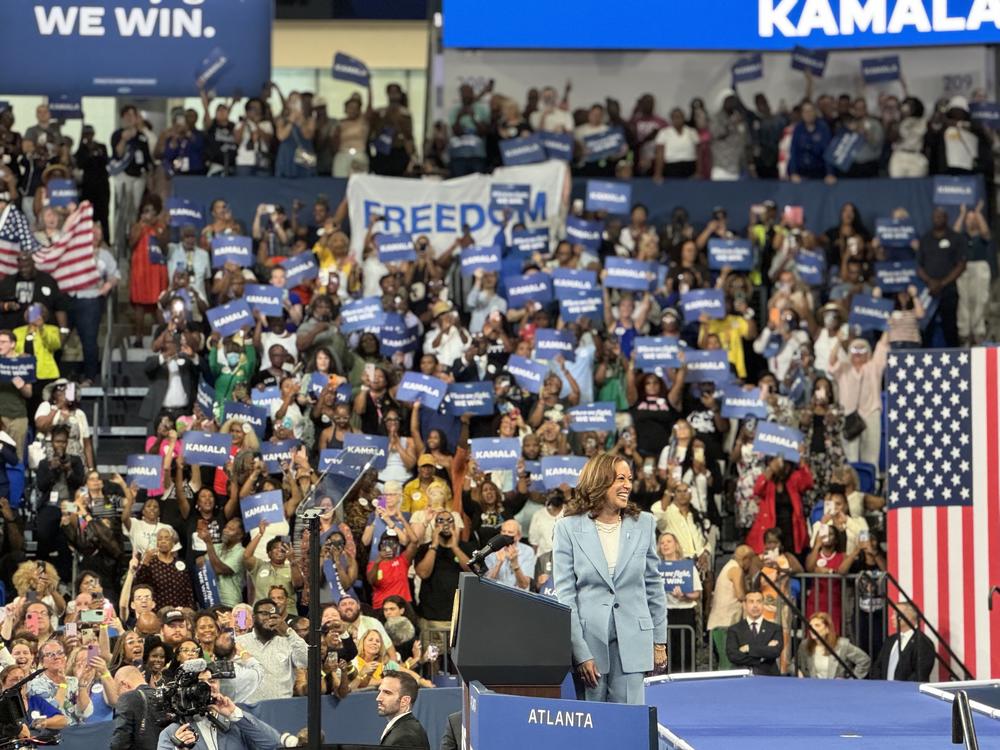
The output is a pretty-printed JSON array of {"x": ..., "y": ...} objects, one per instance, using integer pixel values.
[{"x": 605, "y": 570}]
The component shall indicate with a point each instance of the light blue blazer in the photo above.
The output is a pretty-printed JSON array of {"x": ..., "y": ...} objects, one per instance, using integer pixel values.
[{"x": 634, "y": 597}]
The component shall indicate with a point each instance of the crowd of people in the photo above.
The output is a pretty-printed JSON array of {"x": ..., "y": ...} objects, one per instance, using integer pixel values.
[{"x": 111, "y": 580}]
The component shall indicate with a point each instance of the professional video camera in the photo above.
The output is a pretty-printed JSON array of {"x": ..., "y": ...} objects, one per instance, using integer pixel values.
[{"x": 188, "y": 697}]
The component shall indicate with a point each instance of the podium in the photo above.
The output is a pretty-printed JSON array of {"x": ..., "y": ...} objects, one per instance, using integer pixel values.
[{"x": 510, "y": 641}]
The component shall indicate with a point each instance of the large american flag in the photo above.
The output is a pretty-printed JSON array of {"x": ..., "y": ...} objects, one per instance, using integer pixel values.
[
  {"x": 70, "y": 260},
  {"x": 944, "y": 494}
]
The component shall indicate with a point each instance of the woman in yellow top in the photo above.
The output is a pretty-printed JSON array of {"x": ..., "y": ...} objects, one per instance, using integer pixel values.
[
  {"x": 738, "y": 326},
  {"x": 333, "y": 255},
  {"x": 41, "y": 340},
  {"x": 372, "y": 660}
]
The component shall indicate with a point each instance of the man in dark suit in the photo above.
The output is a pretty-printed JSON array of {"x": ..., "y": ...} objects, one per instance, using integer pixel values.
[
  {"x": 396, "y": 695},
  {"x": 907, "y": 656},
  {"x": 173, "y": 379},
  {"x": 452, "y": 739},
  {"x": 754, "y": 642},
  {"x": 136, "y": 717}
]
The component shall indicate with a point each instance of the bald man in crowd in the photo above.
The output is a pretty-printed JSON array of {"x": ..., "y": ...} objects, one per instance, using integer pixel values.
[{"x": 135, "y": 717}]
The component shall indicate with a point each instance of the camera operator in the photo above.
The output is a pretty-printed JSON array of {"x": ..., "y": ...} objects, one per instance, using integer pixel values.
[
  {"x": 249, "y": 671},
  {"x": 136, "y": 718},
  {"x": 223, "y": 717}
]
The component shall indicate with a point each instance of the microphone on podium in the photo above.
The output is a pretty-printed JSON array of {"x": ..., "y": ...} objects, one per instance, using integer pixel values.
[{"x": 493, "y": 545}]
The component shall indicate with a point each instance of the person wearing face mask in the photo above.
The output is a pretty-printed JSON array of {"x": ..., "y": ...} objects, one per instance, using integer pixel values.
[{"x": 232, "y": 361}]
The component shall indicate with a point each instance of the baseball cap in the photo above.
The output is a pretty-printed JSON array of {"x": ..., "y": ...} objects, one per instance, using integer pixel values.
[
  {"x": 426, "y": 460},
  {"x": 173, "y": 615}
]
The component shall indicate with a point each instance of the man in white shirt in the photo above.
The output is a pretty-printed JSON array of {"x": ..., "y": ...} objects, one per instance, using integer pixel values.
[
  {"x": 514, "y": 564},
  {"x": 549, "y": 116},
  {"x": 543, "y": 523},
  {"x": 396, "y": 695},
  {"x": 278, "y": 648}
]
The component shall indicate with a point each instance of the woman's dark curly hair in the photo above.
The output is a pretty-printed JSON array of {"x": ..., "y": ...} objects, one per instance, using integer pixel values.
[{"x": 592, "y": 488}]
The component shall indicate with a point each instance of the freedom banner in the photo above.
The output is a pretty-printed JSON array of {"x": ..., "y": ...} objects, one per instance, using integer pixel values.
[
  {"x": 811, "y": 267},
  {"x": 496, "y": 454},
  {"x": 707, "y": 366},
  {"x": 299, "y": 268},
  {"x": 22, "y": 366},
  {"x": 614, "y": 198},
  {"x": 360, "y": 314},
  {"x": 207, "y": 585},
  {"x": 273, "y": 452},
  {"x": 738, "y": 403},
  {"x": 895, "y": 232},
  {"x": 677, "y": 574},
  {"x": 606, "y": 145},
  {"x": 559, "y": 470},
  {"x": 535, "y": 287},
  {"x": 415, "y": 386},
  {"x": 530, "y": 241},
  {"x": 230, "y": 318},
  {"x": 264, "y": 298},
  {"x": 510, "y": 196},
  {"x": 470, "y": 398},
  {"x": 628, "y": 273},
  {"x": 895, "y": 276},
  {"x": 582, "y": 305},
  {"x": 710, "y": 302},
  {"x": 395, "y": 248},
  {"x": 368, "y": 446},
  {"x": 773, "y": 439},
  {"x": 558, "y": 145},
  {"x": 527, "y": 374},
  {"x": 588, "y": 234},
  {"x": 870, "y": 313},
  {"x": 810, "y": 59},
  {"x": 518, "y": 151},
  {"x": 955, "y": 191},
  {"x": 145, "y": 470},
  {"x": 255, "y": 416},
  {"x": 62, "y": 193},
  {"x": 880, "y": 69},
  {"x": 737, "y": 254},
  {"x": 350, "y": 69},
  {"x": 652, "y": 352},
  {"x": 550, "y": 342},
  {"x": 570, "y": 282},
  {"x": 232, "y": 248},
  {"x": 183, "y": 212},
  {"x": 599, "y": 417},
  {"x": 748, "y": 69},
  {"x": 264, "y": 506},
  {"x": 485, "y": 259},
  {"x": 207, "y": 448}
]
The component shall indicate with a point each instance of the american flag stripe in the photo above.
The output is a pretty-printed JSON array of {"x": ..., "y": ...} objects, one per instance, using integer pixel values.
[
  {"x": 70, "y": 260},
  {"x": 993, "y": 481}
]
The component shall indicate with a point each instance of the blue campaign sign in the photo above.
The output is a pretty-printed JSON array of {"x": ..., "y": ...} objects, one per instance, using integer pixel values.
[
  {"x": 773, "y": 439},
  {"x": 207, "y": 448},
  {"x": 496, "y": 454},
  {"x": 415, "y": 386},
  {"x": 530, "y": 240},
  {"x": 677, "y": 574},
  {"x": 266, "y": 398},
  {"x": 231, "y": 317},
  {"x": 62, "y": 193},
  {"x": 145, "y": 469},
  {"x": 360, "y": 314},
  {"x": 470, "y": 398},
  {"x": 698, "y": 302},
  {"x": 811, "y": 267},
  {"x": 183, "y": 212},
  {"x": 589, "y": 234},
  {"x": 895, "y": 276},
  {"x": 653, "y": 352},
  {"x": 606, "y": 145},
  {"x": 156, "y": 255},
  {"x": 207, "y": 585},
  {"x": 954, "y": 191},
  {"x": 748, "y": 69},
  {"x": 299, "y": 268},
  {"x": 599, "y": 417},
  {"x": 870, "y": 313},
  {"x": 64, "y": 107},
  {"x": 329, "y": 459},
  {"x": 255, "y": 416},
  {"x": 209, "y": 71},
  {"x": 133, "y": 48},
  {"x": 629, "y": 273},
  {"x": 273, "y": 452},
  {"x": 761, "y": 25},
  {"x": 740, "y": 403},
  {"x": 317, "y": 382},
  {"x": 351, "y": 69},
  {"x": 559, "y": 470},
  {"x": 534, "y": 287},
  {"x": 534, "y": 470},
  {"x": 611, "y": 197},
  {"x": 485, "y": 258},
  {"x": 232, "y": 248},
  {"x": 264, "y": 506},
  {"x": 707, "y": 366},
  {"x": 368, "y": 446},
  {"x": 986, "y": 113},
  {"x": 558, "y": 145},
  {"x": 528, "y": 375},
  {"x": 550, "y": 342},
  {"x": 396, "y": 336},
  {"x": 509, "y": 196},
  {"x": 343, "y": 463},
  {"x": 810, "y": 59},
  {"x": 517, "y": 151},
  {"x": 880, "y": 69},
  {"x": 264, "y": 298},
  {"x": 582, "y": 305},
  {"x": 206, "y": 396},
  {"x": 737, "y": 254},
  {"x": 395, "y": 248},
  {"x": 570, "y": 282},
  {"x": 895, "y": 232},
  {"x": 19, "y": 366},
  {"x": 842, "y": 150}
]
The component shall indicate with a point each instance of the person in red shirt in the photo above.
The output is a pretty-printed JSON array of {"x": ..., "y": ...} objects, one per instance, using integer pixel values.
[{"x": 388, "y": 574}]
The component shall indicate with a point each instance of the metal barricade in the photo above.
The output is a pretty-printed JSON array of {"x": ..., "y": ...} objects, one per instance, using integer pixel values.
[{"x": 687, "y": 642}]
